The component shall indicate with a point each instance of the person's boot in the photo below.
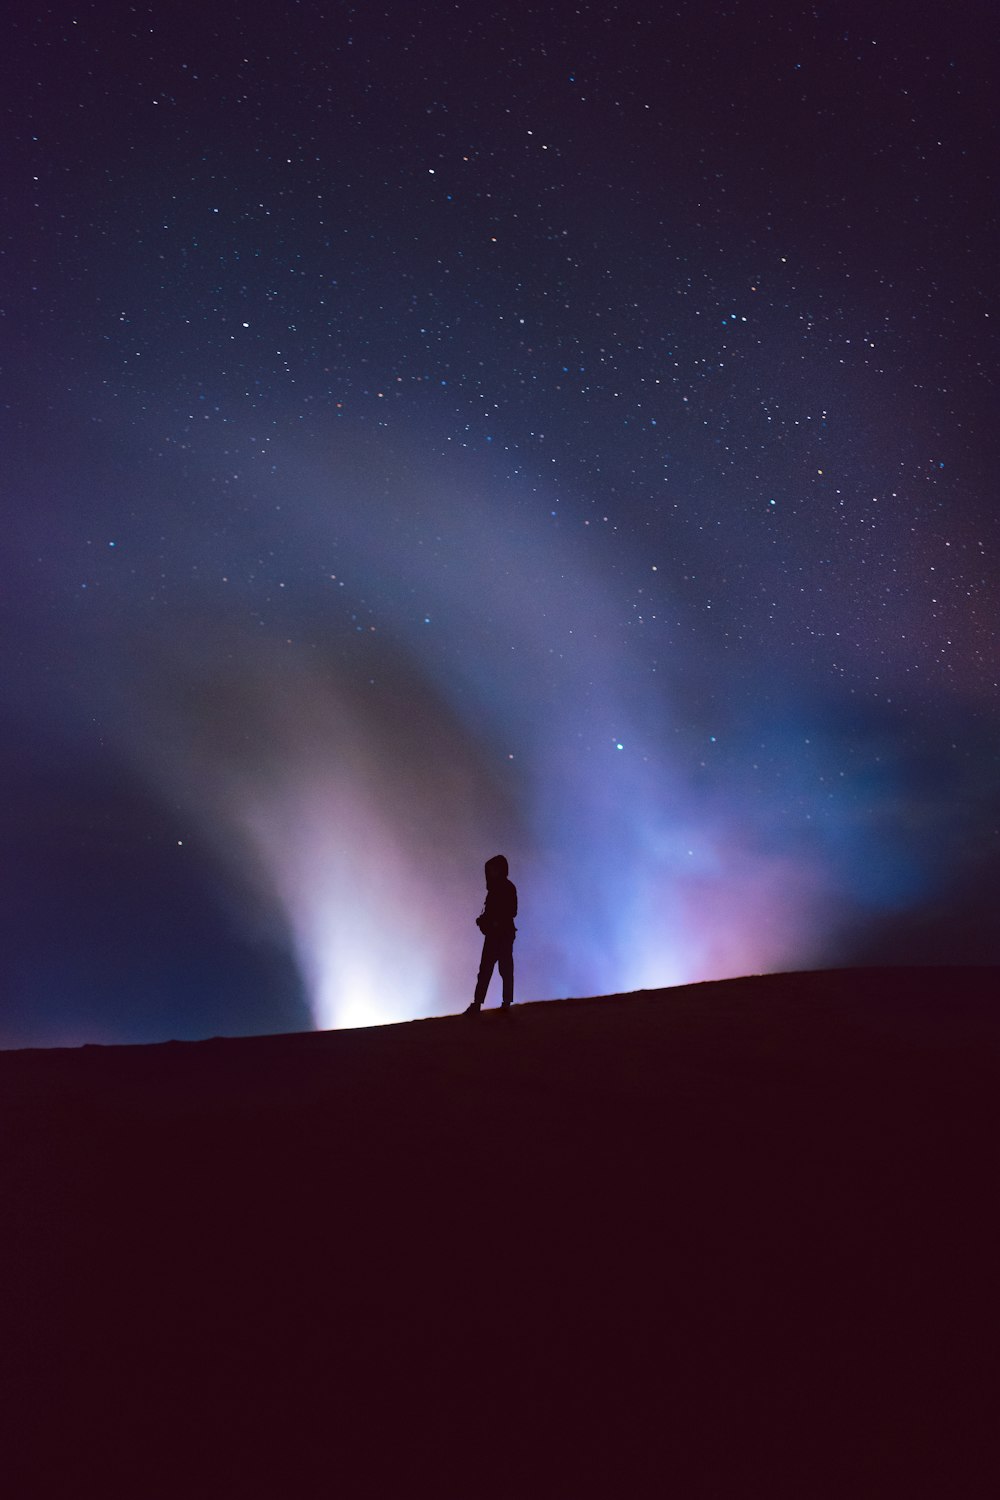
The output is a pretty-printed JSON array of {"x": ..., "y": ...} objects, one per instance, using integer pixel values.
[{"x": 473, "y": 1009}]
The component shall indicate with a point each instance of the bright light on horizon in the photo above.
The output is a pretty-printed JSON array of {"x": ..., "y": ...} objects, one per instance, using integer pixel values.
[{"x": 360, "y": 797}]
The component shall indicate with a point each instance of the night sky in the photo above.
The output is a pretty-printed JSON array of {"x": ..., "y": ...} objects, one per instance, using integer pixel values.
[{"x": 435, "y": 430}]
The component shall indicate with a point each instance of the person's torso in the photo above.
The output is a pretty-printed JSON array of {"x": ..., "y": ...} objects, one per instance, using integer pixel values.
[{"x": 501, "y": 907}]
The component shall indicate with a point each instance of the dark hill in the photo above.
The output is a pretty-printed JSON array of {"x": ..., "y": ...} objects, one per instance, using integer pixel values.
[{"x": 732, "y": 1239}]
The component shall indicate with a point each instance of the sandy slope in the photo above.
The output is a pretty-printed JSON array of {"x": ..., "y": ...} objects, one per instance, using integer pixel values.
[{"x": 731, "y": 1239}]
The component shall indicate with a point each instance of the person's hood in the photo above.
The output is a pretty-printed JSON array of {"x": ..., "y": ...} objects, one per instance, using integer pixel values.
[{"x": 496, "y": 869}]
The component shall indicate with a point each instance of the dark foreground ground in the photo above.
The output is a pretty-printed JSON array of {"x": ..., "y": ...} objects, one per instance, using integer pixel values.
[{"x": 735, "y": 1239}]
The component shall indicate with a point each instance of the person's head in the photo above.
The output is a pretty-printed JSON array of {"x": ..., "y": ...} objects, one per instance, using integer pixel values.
[{"x": 496, "y": 869}]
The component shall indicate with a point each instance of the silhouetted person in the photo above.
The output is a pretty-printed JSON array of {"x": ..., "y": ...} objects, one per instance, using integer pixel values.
[{"x": 496, "y": 923}]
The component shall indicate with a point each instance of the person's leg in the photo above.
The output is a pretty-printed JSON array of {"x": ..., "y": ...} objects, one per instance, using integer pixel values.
[
  {"x": 505, "y": 963},
  {"x": 485, "y": 974}
]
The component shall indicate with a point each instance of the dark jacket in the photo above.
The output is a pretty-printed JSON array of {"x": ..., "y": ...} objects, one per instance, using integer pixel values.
[{"x": 500, "y": 909}]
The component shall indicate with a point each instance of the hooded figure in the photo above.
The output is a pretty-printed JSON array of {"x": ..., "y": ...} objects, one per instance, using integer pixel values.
[{"x": 496, "y": 923}]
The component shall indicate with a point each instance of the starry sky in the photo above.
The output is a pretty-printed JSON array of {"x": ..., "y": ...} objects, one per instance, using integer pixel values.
[{"x": 432, "y": 430}]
